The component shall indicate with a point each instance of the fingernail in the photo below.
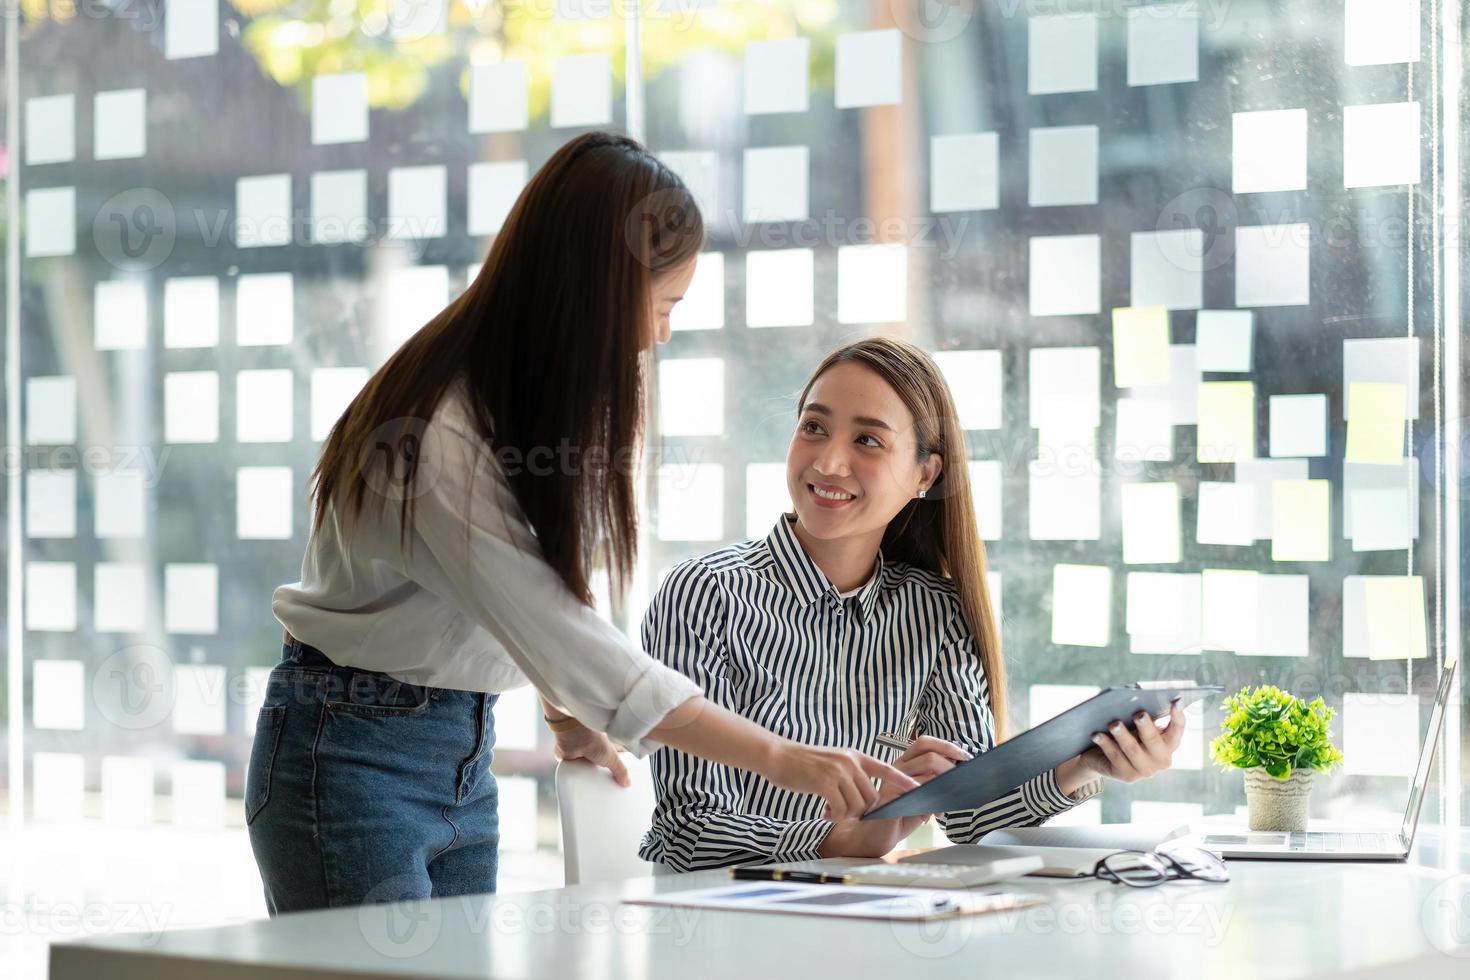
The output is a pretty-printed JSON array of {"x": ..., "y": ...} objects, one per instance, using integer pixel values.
[
  {"x": 1097, "y": 738},
  {"x": 1116, "y": 726}
]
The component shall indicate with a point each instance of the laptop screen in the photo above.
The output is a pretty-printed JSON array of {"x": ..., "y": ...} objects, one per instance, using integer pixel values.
[{"x": 1426, "y": 754}]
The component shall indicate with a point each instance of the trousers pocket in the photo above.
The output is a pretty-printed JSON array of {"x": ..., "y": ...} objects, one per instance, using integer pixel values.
[{"x": 268, "y": 727}]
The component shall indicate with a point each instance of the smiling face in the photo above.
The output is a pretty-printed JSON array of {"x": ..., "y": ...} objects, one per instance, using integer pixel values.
[
  {"x": 853, "y": 462},
  {"x": 664, "y": 293}
]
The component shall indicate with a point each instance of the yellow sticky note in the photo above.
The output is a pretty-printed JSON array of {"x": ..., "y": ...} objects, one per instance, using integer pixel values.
[
  {"x": 1140, "y": 346},
  {"x": 1301, "y": 513},
  {"x": 1227, "y": 421},
  {"x": 1375, "y": 423},
  {"x": 1396, "y": 623}
]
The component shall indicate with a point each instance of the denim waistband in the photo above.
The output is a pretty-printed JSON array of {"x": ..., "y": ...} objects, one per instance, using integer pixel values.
[{"x": 306, "y": 655}]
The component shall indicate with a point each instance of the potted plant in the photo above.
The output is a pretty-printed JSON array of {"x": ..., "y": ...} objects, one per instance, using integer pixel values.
[{"x": 1280, "y": 741}]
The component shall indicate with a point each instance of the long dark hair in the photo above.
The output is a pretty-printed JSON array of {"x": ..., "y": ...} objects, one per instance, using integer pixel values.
[
  {"x": 938, "y": 533},
  {"x": 549, "y": 340}
]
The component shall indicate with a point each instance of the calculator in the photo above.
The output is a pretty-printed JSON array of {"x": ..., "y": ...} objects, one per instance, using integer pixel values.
[{"x": 940, "y": 875}]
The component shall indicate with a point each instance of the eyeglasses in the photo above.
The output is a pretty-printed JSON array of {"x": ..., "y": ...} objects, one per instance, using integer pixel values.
[{"x": 1143, "y": 869}]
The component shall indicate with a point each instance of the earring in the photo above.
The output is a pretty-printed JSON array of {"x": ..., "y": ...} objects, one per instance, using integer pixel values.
[{"x": 921, "y": 494}]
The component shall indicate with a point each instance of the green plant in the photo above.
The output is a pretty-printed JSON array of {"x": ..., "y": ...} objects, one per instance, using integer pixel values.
[{"x": 1272, "y": 729}]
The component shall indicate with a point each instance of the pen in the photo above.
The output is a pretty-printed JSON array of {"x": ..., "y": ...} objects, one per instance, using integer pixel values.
[
  {"x": 892, "y": 741},
  {"x": 778, "y": 874}
]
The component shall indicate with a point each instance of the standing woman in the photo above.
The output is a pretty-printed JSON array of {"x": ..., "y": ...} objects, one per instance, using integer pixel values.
[{"x": 459, "y": 504}]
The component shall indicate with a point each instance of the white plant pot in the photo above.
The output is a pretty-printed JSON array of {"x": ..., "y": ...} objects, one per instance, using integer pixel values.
[{"x": 1275, "y": 804}]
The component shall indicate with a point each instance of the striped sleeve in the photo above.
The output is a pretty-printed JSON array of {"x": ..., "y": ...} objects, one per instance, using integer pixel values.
[
  {"x": 699, "y": 819},
  {"x": 955, "y": 706}
]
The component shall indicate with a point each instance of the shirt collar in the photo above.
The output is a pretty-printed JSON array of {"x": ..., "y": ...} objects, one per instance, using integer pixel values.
[{"x": 804, "y": 578}]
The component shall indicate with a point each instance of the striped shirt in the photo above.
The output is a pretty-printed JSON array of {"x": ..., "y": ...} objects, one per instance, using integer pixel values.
[{"x": 760, "y": 628}]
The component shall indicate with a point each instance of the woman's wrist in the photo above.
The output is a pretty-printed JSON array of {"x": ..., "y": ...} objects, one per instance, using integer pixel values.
[{"x": 1072, "y": 775}]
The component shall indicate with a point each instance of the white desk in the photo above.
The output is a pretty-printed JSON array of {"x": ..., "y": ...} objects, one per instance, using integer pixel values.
[{"x": 1272, "y": 920}]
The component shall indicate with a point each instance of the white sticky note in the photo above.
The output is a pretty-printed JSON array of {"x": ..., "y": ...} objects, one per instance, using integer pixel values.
[
  {"x": 1298, "y": 425},
  {"x": 1388, "y": 360},
  {"x": 51, "y": 596},
  {"x": 1263, "y": 474},
  {"x": 51, "y": 221},
  {"x": 986, "y": 484},
  {"x": 1380, "y": 32},
  {"x": 57, "y": 785},
  {"x": 412, "y": 19},
  {"x": 581, "y": 91},
  {"x": 191, "y": 311},
  {"x": 1061, "y": 53},
  {"x": 198, "y": 795},
  {"x": 1403, "y": 479},
  {"x": 1150, "y": 523},
  {"x": 416, "y": 202},
  {"x": 51, "y": 503},
  {"x": 120, "y": 124},
  {"x": 1163, "y": 43},
  {"x": 1064, "y": 501},
  {"x": 1064, "y": 387},
  {"x": 1165, "y": 612},
  {"x": 1167, "y": 268},
  {"x": 1224, "y": 340},
  {"x": 869, "y": 68},
  {"x": 263, "y": 498},
  {"x": 339, "y": 108},
  {"x": 339, "y": 206},
  {"x": 58, "y": 695},
  {"x": 199, "y": 699},
  {"x": 1397, "y": 626},
  {"x": 516, "y": 799},
  {"x": 120, "y": 504},
  {"x": 493, "y": 189},
  {"x": 977, "y": 381},
  {"x": 964, "y": 172},
  {"x": 1227, "y": 421},
  {"x": 776, "y": 76},
  {"x": 1301, "y": 513},
  {"x": 691, "y": 502},
  {"x": 703, "y": 305},
  {"x": 1231, "y": 605},
  {"x": 872, "y": 283},
  {"x": 1269, "y": 151},
  {"x": 190, "y": 598},
  {"x": 1380, "y": 144},
  {"x": 1282, "y": 617},
  {"x": 264, "y": 309},
  {"x": 415, "y": 295},
  {"x": 1273, "y": 265},
  {"x": 766, "y": 498},
  {"x": 1065, "y": 273},
  {"x": 120, "y": 597},
  {"x": 775, "y": 183},
  {"x": 1140, "y": 346},
  {"x": 1226, "y": 514},
  {"x": 51, "y": 410},
  {"x": 1182, "y": 391},
  {"x": 498, "y": 97},
  {"x": 263, "y": 211},
  {"x": 1375, "y": 431},
  {"x": 1081, "y": 605},
  {"x": 191, "y": 29},
  {"x": 1380, "y": 519},
  {"x": 127, "y": 791},
  {"x": 779, "y": 288},
  {"x": 51, "y": 135},
  {"x": 332, "y": 390},
  {"x": 120, "y": 314},
  {"x": 1145, "y": 430},
  {"x": 691, "y": 396},
  {"x": 264, "y": 405},
  {"x": 1380, "y": 734},
  {"x": 191, "y": 407},
  {"x": 1063, "y": 166},
  {"x": 700, "y": 171}
]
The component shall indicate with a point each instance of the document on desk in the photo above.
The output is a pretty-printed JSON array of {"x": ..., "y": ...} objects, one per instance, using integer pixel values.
[
  {"x": 845, "y": 901},
  {"x": 1117, "y": 836}
]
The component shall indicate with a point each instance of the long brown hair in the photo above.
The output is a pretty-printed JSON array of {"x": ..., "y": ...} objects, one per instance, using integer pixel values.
[
  {"x": 938, "y": 533},
  {"x": 549, "y": 340}
]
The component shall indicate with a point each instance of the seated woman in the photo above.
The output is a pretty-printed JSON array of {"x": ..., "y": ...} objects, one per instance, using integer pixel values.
[{"x": 864, "y": 612}]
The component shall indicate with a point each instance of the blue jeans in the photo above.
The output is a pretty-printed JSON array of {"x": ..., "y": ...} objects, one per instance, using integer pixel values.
[{"x": 364, "y": 789}]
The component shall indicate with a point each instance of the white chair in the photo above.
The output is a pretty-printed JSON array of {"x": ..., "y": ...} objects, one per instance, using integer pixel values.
[{"x": 601, "y": 822}]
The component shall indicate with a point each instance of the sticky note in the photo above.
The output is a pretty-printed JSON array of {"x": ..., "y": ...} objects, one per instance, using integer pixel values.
[
  {"x": 1403, "y": 480},
  {"x": 703, "y": 305},
  {"x": 964, "y": 172},
  {"x": 1140, "y": 346},
  {"x": 977, "y": 381},
  {"x": 700, "y": 171},
  {"x": 1262, "y": 474},
  {"x": 120, "y": 314},
  {"x": 263, "y": 211},
  {"x": 776, "y": 76},
  {"x": 263, "y": 405},
  {"x": 1381, "y": 145},
  {"x": 691, "y": 502},
  {"x": 1282, "y": 617},
  {"x": 1375, "y": 423},
  {"x": 1061, "y": 53},
  {"x": 869, "y": 68},
  {"x": 1150, "y": 523},
  {"x": 498, "y": 97},
  {"x": 691, "y": 397},
  {"x": 1064, "y": 501},
  {"x": 51, "y": 596},
  {"x": 263, "y": 503},
  {"x": 1063, "y": 166},
  {"x": 120, "y": 124},
  {"x": 190, "y": 598},
  {"x": 1397, "y": 626},
  {"x": 339, "y": 108},
  {"x": 1300, "y": 520},
  {"x": 191, "y": 311},
  {"x": 1298, "y": 425},
  {"x": 766, "y": 497},
  {"x": 493, "y": 189},
  {"x": 986, "y": 492},
  {"x": 1223, "y": 339},
  {"x": 1081, "y": 605},
  {"x": 264, "y": 309},
  {"x": 415, "y": 295},
  {"x": 120, "y": 504},
  {"x": 51, "y": 410},
  {"x": 1226, "y": 514},
  {"x": 127, "y": 791},
  {"x": 58, "y": 694},
  {"x": 1380, "y": 734},
  {"x": 339, "y": 206},
  {"x": 775, "y": 183},
  {"x": 1231, "y": 604},
  {"x": 1227, "y": 421},
  {"x": 1065, "y": 275},
  {"x": 581, "y": 91},
  {"x": 1380, "y": 32},
  {"x": 1166, "y": 268},
  {"x": 51, "y": 503},
  {"x": 1164, "y": 612},
  {"x": 51, "y": 221},
  {"x": 1163, "y": 43},
  {"x": 191, "y": 407},
  {"x": 50, "y": 129},
  {"x": 1064, "y": 385},
  {"x": 191, "y": 29},
  {"x": 872, "y": 283},
  {"x": 120, "y": 597},
  {"x": 1273, "y": 265},
  {"x": 1269, "y": 152},
  {"x": 1144, "y": 430},
  {"x": 1393, "y": 360},
  {"x": 57, "y": 785},
  {"x": 197, "y": 794},
  {"x": 779, "y": 287},
  {"x": 332, "y": 390},
  {"x": 1381, "y": 519},
  {"x": 416, "y": 202},
  {"x": 1182, "y": 391},
  {"x": 199, "y": 699}
]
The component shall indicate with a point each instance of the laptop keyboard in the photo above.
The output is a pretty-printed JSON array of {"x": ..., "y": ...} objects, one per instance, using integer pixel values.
[{"x": 1311, "y": 841}]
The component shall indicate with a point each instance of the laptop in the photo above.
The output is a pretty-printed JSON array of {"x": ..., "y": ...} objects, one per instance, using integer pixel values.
[{"x": 1312, "y": 845}]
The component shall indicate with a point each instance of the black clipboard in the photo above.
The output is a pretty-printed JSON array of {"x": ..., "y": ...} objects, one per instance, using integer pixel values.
[{"x": 991, "y": 775}]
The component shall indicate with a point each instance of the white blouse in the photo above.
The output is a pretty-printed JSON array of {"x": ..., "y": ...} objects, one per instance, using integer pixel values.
[{"x": 470, "y": 604}]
